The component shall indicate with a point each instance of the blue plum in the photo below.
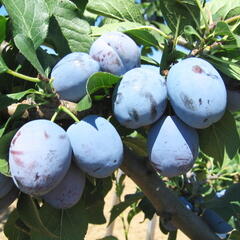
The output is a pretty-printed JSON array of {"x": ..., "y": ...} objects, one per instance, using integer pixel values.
[
  {"x": 215, "y": 222},
  {"x": 140, "y": 98},
  {"x": 39, "y": 156},
  {"x": 197, "y": 92},
  {"x": 172, "y": 146},
  {"x": 71, "y": 74},
  {"x": 69, "y": 191},
  {"x": 97, "y": 146},
  {"x": 116, "y": 52},
  {"x": 9, "y": 198},
  {"x": 6, "y": 184}
]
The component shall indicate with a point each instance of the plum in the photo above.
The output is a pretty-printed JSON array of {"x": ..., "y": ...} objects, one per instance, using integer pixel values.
[
  {"x": 9, "y": 198},
  {"x": 197, "y": 92},
  {"x": 97, "y": 146},
  {"x": 6, "y": 184},
  {"x": 140, "y": 98},
  {"x": 215, "y": 222},
  {"x": 69, "y": 191},
  {"x": 39, "y": 156},
  {"x": 71, "y": 74},
  {"x": 172, "y": 146},
  {"x": 116, "y": 52}
]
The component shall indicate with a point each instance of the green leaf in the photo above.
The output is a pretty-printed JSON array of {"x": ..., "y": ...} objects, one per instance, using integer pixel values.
[
  {"x": 97, "y": 81},
  {"x": 70, "y": 224},
  {"x": 108, "y": 238},
  {"x": 12, "y": 230},
  {"x": 128, "y": 200},
  {"x": 228, "y": 66},
  {"x": 117, "y": 9},
  {"x": 220, "y": 9},
  {"x": 3, "y": 66},
  {"x": 5, "y": 141},
  {"x": 6, "y": 100},
  {"x": 17, "y": 114},
  {"x": 119, "y": 27},
  {"x": 189, "y": 30},
  {"x": 29, "y": 214},
  {"x": 29, "y": 18},
  {"x": 146, "y": 206},
  {"x": 26, "y": 47},
  {"x": 186, "y": 11},
  {"x": 69, "y": 28},
  {"x": 235, "y": 235},
  {"x": 220, "y": 138},
  {"x": 3, "y": 23}
]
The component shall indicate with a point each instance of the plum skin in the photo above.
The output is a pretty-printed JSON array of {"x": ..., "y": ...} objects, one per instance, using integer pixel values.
[
  {"x": 69, "y": 191},
  {"x": 140, "y": 98},
  {"x": 197, "y": 92},
  {"x": 116, "y": 53},
  {"x": 172, "y": 146},
  {"x": 39, "y": 156},
  {"x": 71, "y": 73},
  {"x": 97, "y": 146}
]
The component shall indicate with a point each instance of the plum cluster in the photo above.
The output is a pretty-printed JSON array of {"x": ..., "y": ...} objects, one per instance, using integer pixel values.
[{"x": 48, "y": 162}]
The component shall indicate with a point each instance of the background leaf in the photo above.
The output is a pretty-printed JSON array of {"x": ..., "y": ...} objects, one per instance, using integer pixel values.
[
  {"x": 3, "y": 23},
  {"x": 117, "y": 9},
  {"x": 3, "y": 66},
  {"x": 220, "y": 138},
  {"x": 26, "y": 47},
  {"x": 29, "y": 18},
  {"x": 67, "y": 30},
  {"x": 95, "y": 82},
  {"x": 186, "y": 11}
]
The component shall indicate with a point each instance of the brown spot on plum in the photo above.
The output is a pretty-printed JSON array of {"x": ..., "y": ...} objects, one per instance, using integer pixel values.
[
  {"x": 36, "y": 177},
  {"x": 205, "y": 119},
  {"x": 15, "y": 152},
  {"x": 153, "y": 103},
  {"x": 115, "y": 161},
  {"x": 134, "y": 115},
  {"x": 16, "y": 137},
  {"x": 188, "y": 102},
  {"x": 200, "y": 101},
  {"x": 213, "y": 76},
  {"x": 208, "y": 101},
  {"x": 18, "y": 161},
  {"x": 46, "y": 136},
  {"x": 63, "y": 136},
  {"x": 197, "y": 69}
]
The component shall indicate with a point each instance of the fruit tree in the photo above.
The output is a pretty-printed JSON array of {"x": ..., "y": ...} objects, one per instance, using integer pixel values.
[{"x": 94, "y": 91}]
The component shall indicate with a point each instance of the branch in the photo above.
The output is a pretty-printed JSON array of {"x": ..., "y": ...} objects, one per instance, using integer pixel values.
[{"x": 163, "y": 199}]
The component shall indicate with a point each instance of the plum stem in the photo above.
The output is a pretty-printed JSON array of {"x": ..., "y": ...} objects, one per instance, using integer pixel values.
[
  {"x": 68, "y": 112},
  {"x": 22, "y": 76}
]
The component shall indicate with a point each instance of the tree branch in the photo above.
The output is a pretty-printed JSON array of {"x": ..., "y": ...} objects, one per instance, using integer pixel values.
[{"x": 163, "y": 199}]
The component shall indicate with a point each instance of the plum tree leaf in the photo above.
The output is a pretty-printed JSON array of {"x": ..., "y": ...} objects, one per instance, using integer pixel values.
[
  {"x": 70, "y": 224},
  {"x": 3, "y": 66},
  {"x": 95, "y": 82},
  {"x": 8, "y": 99},
  {"x": 68, "y": 28},
  {"x": 128, "y": 200},
  {"x": 26, "y": 47},
  {"x": 117, "y": 9},
  {"x": 5, "y": 141},
  {"x": 220, "y": 138},
  {"x": 29, "y": 18},
  {"x": 220, "y": 9},
  {"x": 12, "y": 230},
  {"x": 3, "y": 23},
  {"x": 29, "y": 214},
  {"x": 186, "y": 12}
]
